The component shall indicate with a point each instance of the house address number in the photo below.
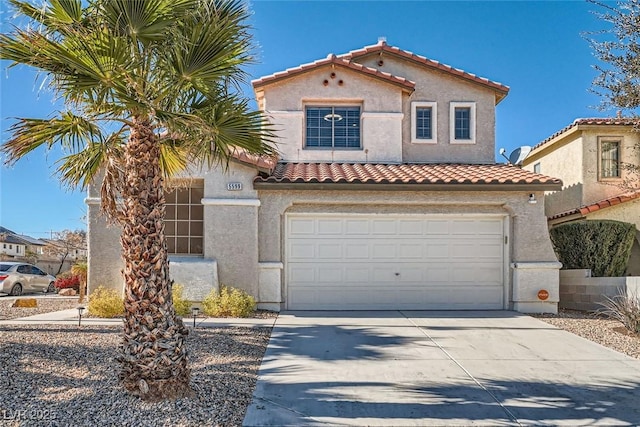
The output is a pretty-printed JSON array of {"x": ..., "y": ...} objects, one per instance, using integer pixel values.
[{"x": 234, "y": 186}]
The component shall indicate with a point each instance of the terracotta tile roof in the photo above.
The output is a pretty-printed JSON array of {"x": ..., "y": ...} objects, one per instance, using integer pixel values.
[
  {"x": 262, "y": 162},
  {"x": 376, "y": 173},
  {"x": 333, "y": 59},
  {"x": 611, "y": 201},
  {"x": 593, "y": 121},
  {"x": 382, "y": 46}
]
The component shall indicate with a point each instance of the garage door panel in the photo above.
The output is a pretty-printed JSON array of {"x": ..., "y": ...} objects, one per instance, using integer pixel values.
[
  {"x": 356, "y": 227},
  {"x": 396, "y": 262},
  {"x": 299, "y": 226},
  {"x": 331, "y": 227}
]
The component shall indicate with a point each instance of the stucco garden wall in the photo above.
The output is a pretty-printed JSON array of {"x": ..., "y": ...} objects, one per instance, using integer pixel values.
[{"x": 580, "y": 291}]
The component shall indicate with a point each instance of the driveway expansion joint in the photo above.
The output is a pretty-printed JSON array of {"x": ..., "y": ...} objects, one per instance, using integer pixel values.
[{"x": 512, "y": 417}]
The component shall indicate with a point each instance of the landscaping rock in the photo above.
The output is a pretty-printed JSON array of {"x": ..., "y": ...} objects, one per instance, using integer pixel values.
[
  {"x": 25, "y": 303},
  {"x": 68, "y": 292}
]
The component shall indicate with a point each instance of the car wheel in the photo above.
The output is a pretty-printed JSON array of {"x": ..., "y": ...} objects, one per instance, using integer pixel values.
[
  {"x": 51, "y": 289},
  {"x": 16, "y": 290}
]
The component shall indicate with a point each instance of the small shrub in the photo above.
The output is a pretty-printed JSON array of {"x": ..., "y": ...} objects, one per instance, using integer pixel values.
[
  {"x": 230, "y": 302},
  {"x": 25, "y": 303},
  {"x": 603, "y": 246},
  {"x": 625, "y": 308},
  {"x": 67, "y": 280},
  {"x": 106, "y": 303},
  {"x": 181, "y": 305}
]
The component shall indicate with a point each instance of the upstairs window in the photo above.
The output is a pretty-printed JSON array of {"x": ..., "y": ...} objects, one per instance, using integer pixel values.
[
  {"x": 463, "y": 122},
  {"x": 536, "y": 168},
  {"x": 424, "y": 125},
  {"x": 609, "y": 158},
  {"x": 184, "y": 220},
  {"x": 333, "y": 127}
]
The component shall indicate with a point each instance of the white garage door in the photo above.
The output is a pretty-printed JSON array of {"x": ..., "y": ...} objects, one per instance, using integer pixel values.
[{"x": 389, "y": 262}]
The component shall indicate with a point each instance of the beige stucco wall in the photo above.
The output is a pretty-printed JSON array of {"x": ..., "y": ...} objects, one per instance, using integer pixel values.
[
  {"x": 229, "y": 216},
  {"x": 565, "y": 162},
  {"x": 381, "y": 107},
  {"x": 595, "y": 190},
  {"x": 528, "y": 236},
  {"x": 443, "y": 89},
  {"x": 386, "y": 114}
]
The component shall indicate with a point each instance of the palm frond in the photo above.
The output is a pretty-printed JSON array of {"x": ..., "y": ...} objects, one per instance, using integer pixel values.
[
  {"x": 79, "y": 169},
  {"x": 69, "y": 130}
]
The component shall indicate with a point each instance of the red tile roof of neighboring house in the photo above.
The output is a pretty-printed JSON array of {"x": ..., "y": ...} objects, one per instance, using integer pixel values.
[
  {"x": 594, "y": 121},
  {"x": 334, "y": 60},
  {"x": 587, "y": 209},
  {"x": 382, "y": 46},
  {"x": 376, "y": 173}
]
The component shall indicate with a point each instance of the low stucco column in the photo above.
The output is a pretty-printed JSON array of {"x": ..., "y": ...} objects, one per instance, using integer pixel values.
[{"x": 536, "y": 286}]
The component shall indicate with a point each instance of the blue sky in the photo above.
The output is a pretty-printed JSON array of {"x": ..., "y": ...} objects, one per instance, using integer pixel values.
[{"x": 536, "y": 48}]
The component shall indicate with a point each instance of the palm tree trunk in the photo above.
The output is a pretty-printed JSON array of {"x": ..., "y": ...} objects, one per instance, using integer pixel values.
[{"x": 154, "y": 354}]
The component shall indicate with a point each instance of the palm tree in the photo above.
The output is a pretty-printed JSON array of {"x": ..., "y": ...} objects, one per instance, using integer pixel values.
[{"x": 148, "y": 88}]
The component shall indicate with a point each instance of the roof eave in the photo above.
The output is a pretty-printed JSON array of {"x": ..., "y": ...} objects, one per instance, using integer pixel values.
[{"x": 359, "y": 186}]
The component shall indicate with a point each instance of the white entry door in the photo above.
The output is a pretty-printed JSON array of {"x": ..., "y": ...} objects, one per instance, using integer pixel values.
[{"x": 394, "y": 262}]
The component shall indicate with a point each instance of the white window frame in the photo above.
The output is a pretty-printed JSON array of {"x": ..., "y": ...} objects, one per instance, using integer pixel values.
[
  {"x": 537, "y": 167},
  {"x": 604, "y": 139},
  {"x": 452, "y": 122},
  {"x": 332, "y": 105},
  {"x": 414, "y": 122}
]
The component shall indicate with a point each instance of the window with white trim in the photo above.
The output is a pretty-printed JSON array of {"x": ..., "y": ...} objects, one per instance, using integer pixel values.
[
  {"x": 333, "y": 127},
  {"x": 536, "y": 168},
  {"x": 424, "y": 124},
  {"x": 610, "y": 158},
  {"x": 184, "y": 219},
  {"x": 462, "y": 123}
]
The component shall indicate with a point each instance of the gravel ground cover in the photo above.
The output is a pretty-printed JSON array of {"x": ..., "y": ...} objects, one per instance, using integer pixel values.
[
  {"x": 604, "y": 331},
  {"x": 67, "y": 376},
  {"x": 45, "y": 305}
]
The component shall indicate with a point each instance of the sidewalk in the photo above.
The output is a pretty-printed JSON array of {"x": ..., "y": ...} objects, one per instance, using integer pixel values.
[{"x": 70, "y": 317}]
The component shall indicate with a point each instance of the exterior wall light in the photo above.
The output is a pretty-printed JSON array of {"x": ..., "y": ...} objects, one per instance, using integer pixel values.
[{"x": 532, "y": 199}]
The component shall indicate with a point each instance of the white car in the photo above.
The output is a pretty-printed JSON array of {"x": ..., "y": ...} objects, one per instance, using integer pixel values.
[{"x": 19, "y": 277}]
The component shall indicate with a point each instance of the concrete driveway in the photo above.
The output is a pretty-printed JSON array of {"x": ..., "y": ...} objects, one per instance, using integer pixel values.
[{"x": 439, "y": 368}]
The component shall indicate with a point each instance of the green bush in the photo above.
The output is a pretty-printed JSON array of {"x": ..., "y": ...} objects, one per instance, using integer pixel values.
[
  {"x": 230, "y": 302},
  {"x": 602, "y": 246},
  {"x": 106, "y": 303},
  {"x": 181, "y": 305}
]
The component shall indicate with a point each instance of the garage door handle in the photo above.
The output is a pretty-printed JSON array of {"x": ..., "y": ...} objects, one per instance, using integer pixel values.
[{"x": 397, "y": 274}]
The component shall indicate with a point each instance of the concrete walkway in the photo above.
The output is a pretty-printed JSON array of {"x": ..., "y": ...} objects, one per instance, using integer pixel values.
[
  {"x": 70, "y": 317},
  {"x": 439, "y": 369}
]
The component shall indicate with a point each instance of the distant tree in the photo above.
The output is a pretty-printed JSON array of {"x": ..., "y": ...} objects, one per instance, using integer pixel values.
[
  {"x": 64, "y": 244},
  {"x": 618, "y": 49},
  {"x": 618, "y": 80}
]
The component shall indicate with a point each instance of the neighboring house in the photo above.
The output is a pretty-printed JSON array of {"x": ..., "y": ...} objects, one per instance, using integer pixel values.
[
  {"x": 597, "y": 161},
  {"x": 34, "y": 246},
  {"x": 19, "y": 245},
  {"x": 386, "y": 195},
  {"x": 11, "y": 246}
]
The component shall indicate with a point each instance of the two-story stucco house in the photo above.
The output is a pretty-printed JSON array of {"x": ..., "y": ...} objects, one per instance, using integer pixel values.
[
  {"x": 597, "y": 161},
  {"x": 386, "y": 195}
]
